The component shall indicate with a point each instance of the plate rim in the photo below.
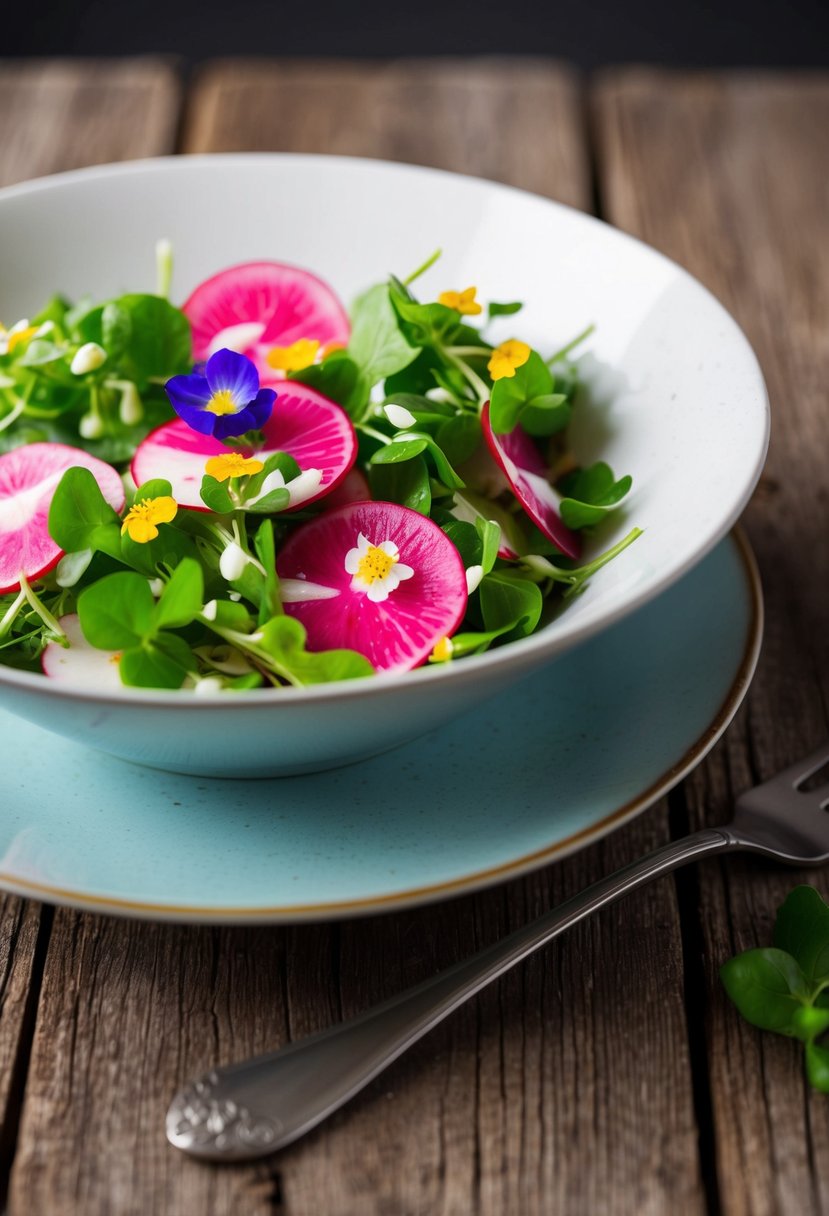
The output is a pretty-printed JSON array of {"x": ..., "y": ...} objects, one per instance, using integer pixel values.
[{"x": 476, "y": 881}]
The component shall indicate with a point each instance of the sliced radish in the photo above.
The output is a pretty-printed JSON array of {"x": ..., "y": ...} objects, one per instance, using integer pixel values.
[
  {"x": 398, "y": 583},
  {"x": 79, "y": 664},
  {"x": 28, "y": 477},
  {"x": 259, "y": 305},
  {"x": 521, "y": 461},
  {"x": 315, "y": 431}
]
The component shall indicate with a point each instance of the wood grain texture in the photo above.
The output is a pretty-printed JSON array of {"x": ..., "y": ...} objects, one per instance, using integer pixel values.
[
  {"x": 20, "y": 924},
  {"x": 516, "y": 121},
  {"x": 566, "y": 1088},
  {"x": 730, "y": 176},
  {"x": 69, "y": 113}
]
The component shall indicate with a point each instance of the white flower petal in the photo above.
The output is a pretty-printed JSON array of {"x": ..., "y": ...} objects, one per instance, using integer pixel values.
[
  {"x": 403, "y": 571},
  {"x": 237, "y": 337},
  {"x": 298, "y": 590},
  {"x": 362, "y": 544},
  {"x": 399, "y": 416},
  {"x": 378, "y": 592},
  {"x": 474, "y": 574},
  {"x": 390, "y": 548},
  {"x": 88, "y": 358},
  {"x": 304, "y": 486},
  {"x": 209, "y": 610},
  {"x": 232, "y": 562},
  {"x": 352, "y": 561}
]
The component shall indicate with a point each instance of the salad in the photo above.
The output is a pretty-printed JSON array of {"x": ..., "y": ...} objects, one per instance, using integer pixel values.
[{"x": 260, "y": 489}]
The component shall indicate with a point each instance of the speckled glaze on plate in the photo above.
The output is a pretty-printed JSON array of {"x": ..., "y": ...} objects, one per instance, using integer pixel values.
[{"x": 520, "y": 782}]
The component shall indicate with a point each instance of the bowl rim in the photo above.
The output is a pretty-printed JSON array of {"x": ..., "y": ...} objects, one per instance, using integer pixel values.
[{"x": 540, "y": 646}]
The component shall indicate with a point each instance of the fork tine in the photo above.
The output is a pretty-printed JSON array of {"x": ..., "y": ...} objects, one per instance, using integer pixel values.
[{"x": 802, "y": 770}]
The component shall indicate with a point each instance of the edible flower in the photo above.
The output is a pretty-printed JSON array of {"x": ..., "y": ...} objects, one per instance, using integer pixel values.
[
  {"x": 88, "y": 358},
  {"x": 293, "y": 358},
  {"x": 143, "y": 517},
  {"x": 463, "y": 302},
  {"x": 442, "y": 651},
  {"x": 232, "y": 464},
  {"x": 377, "y": 569},
  {"x": 507, "y": 357},
  {"x": 10, "y": 338},
  {"x": 226, "y": 400}
]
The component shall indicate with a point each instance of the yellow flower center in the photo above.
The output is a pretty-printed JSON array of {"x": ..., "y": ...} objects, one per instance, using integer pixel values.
[
  {"x": 294, "y": 358},
  {"x": 232, "y": 464},
  {"x": 141, "y": 519},
  {"x": 374, "y": 565},
  {"x": 442, "y": 651},
  {"x": 22, "y": 335},
  {"x": 222, "y": 402}
]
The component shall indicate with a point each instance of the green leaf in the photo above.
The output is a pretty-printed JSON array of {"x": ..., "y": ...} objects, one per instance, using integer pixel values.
[
  {"x": 215, "y": 495},
  {"x": 490, "y": 534},
  {"x": 41, "y": 351},
  {"x": 509, "y": 601},
  {"x": 407, "y": 483},
  {"x": 817, "y": 1067},
  {"x": 399, "y": 451},
  {"x": 377, "y": 345},
  {"x": 340, "y": 379},
  {"x": 117, "y": 612},
  {"x": 802, "y": 929},
  {"x": 547, "y": 415},
  {"x": 423, "y": 324},
  {"x": 503, "y": 310},
  {"x": 230, "y": 614},
  {"x": 283, "y": 638},
  {"x": 473, "y": 507},
  {"x": 182, "y": 598},
  {"x": 157, "y": 487},
  {"x": 416, "y": 379},
  {"x": 467, "y": 541},
  {"x": 265, "y": 545},
  {"x": 459, "y": 437},
  {"x": 767, "y": 986},
  {"x": 531, "y": 383},
  {"x": 809, "y": 1022},
  {"x": 80, "y": 517},
  {"x": 151, "y": 337},
  {"x": 164, "y": 663},
  {"x": 589, "y": 494}
]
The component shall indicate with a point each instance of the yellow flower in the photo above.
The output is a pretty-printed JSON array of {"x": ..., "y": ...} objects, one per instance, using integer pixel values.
[
  {"x": 442, "y": 651},
  {"x": 232, "y": 464},
  {"x": 141, "y": 519},
  {"x": 463, "y": 302},
  {"x": 295, "y": 357},
  {"x": 507, "y": 357}
]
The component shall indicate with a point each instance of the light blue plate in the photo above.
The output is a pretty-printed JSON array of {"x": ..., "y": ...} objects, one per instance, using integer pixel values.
[{"x": 562, "y": 758}]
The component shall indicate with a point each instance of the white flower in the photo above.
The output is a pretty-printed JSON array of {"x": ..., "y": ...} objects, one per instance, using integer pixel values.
[
  {"x": 156, "y": 587},
  {"x": 207, "y": 685},
  {"x": 376, "y": 569},
  {"x": 300, "y": 590},
  {"x": 71, "y": 566},
  {"x": 399, "y": 416},
  {"x": 474, "y": 574},
  {"x": 130, "y": 410},
  {"x": 233, "y": 561},
  {"x": 88, "y": 358},
  {"x": 300, "y": 488},
  {"x": 91, "y": 426},
  {"x": 209, "y": 610}
]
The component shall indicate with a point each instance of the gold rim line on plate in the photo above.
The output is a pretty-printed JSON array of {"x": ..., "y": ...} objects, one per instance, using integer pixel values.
[{"x": 292, "y": 913}]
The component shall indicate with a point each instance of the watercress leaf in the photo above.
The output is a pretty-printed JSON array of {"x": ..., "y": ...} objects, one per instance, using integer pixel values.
[
  {"x": 466, "y": 540},
  {"x": 253, "y": 679},
  {"x": 399, "y": 451},
  {"x": 182, "y": 597},
  {"x": 265, "y": 545},
  {"x": 509, "y": 601},
  {"x": 164, "y": 663},
  {"x": 116, "y": 329},
  {"x": 80, "y": 517},
  {"x": 340, "y": 379},
  {"x": 230, "y": 614},
  {"x": 589, "y": 494},
  {"x": 157, "y": 487},
  {"x": 153, "y": 337},
  {"x": 817, "y": 1067},
  {"x": 117, "y": 612},
  {"x": 547, "y": 415},
  {"x": 443, "y": 468},
  {"x": 277, "y": 462},
  {"x": 377, "y": 345},
  {"x": 215, "y": 495},
  {"x": 416, "y": 379},
  {"x": 510, "y": 395},
  {"x": 802, "y": 929},
  {"x": 490, "y": 534},
  {"x": 277, "y": 500},
  {"x": 84, "y": 321},
  {"x": 41, "y": 351},
  {"x": 167, "y": 550},
  {"x": 472, "y": 507},
  {"x": 459, "y": 437},
  {"x": 423, "y": 324},
  {"x": 407, "y": 484},
  {"x": 767, "y": 986},
  {"x": 283, "y": 638},
  {"x": 503, "y": 310},
  {"x": 475, "y": 642}
]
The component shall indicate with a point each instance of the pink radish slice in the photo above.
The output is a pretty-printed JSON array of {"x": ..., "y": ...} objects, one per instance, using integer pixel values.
[
  {"x": 79, "y": 664},
  {"x": 315, "y": 431},
  {"x": 399, "y": 632},
  {"x": 28, "y": 477},
  {"x": 519, "y": 458},
  {"x": 253, "y": 307}
]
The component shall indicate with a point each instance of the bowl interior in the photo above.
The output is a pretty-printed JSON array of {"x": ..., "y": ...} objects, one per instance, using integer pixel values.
[{"x": 678, "y": 398}]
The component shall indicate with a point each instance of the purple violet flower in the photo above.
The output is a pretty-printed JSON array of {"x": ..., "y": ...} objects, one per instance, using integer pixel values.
[{"x": 226, "y": 400}]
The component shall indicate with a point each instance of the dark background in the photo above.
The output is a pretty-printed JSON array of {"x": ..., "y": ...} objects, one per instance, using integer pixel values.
[{"x": 676, "y": 32}]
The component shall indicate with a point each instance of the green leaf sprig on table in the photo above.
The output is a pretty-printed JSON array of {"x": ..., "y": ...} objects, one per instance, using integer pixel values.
[{"x": 785, "y": 987}]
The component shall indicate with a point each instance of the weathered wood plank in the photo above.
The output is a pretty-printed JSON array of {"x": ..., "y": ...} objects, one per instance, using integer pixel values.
[
  {"x": 20, "y": 924},
  {"x": 728, "y": 174},
  {"x": 566, "y": 1088},
  {"x": 65, "y": 114},
  {"x": 487, "y": 117}
]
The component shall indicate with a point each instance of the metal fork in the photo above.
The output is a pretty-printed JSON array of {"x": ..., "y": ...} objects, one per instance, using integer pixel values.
[{"x": 250, "y": 1109}]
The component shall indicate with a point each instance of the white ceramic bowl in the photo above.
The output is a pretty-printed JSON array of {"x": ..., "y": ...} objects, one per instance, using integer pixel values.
[{"x": 679, "y": 402}]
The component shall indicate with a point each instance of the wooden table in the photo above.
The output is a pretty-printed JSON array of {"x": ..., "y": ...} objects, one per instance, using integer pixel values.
[{"x": 608, "y": 1075}]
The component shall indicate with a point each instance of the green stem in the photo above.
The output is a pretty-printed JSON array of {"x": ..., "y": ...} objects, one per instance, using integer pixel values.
[
  {"x": 565, "y": 350},
  {"x": 163, "y": 268},
  {"x": 482, "y": 352},
  {"x": 262, "y": 659},
  {"x": 480, "y": 389},
  {"x": 427, "y": 265},
  {"x": 369, "y": 430},
  {"x": 40, "y": 608},
  {"x": 11, "y": 612},
  {"x": 15, "y": 412}
]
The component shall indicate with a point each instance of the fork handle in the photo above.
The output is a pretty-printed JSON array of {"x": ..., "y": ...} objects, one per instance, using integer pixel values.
[{"x": 250, "y": 1109}]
